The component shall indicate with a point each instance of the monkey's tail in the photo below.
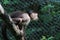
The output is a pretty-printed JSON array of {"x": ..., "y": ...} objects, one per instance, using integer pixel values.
[{"x": 4, "y": 34}]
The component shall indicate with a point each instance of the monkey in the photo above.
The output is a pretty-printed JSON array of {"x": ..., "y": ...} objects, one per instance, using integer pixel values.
[
  {"x": 21, "y": 19},
  {"x": 24, "y": 18}
]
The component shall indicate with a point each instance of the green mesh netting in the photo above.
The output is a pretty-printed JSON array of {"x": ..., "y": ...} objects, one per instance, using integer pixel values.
[{"x": 48, "y": 25}]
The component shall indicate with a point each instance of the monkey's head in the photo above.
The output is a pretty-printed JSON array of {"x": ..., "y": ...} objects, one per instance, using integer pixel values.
[{"x": 33, "y": 15}]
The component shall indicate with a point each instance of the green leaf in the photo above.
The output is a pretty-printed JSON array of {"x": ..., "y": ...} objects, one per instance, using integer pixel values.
[{"x": 6, "y": 2}]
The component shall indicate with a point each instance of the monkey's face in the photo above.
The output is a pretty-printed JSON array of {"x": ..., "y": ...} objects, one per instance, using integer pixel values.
[{"x": 34, "y": 16}]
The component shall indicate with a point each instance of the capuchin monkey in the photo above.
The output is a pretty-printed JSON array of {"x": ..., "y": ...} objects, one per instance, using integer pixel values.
[{"x": 21, "y": 19}]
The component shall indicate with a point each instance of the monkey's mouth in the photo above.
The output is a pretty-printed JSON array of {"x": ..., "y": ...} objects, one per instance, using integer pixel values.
[{"x": 35, "y": 19}]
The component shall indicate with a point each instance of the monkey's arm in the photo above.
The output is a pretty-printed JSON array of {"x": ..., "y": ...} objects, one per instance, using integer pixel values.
[{"x": 17, "y": 20}]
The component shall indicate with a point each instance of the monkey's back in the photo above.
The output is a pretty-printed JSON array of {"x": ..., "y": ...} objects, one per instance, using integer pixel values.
[{"x": 16, "y": 14}]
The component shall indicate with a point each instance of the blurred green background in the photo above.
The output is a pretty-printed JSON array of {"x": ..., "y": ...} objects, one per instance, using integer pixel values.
[{"x": 48, "y": 25}]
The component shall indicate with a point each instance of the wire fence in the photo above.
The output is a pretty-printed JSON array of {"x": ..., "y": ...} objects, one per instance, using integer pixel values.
[{"x": 48, "y": 25}]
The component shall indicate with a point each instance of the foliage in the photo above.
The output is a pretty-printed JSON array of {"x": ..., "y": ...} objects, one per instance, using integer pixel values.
[{"x": 44, "y": 38}]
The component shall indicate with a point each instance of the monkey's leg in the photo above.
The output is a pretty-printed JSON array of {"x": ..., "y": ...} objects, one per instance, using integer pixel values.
[
  {"x": 23, "y": 36},
  {"x": 23, "y": 33},
  {"x": 4, "y": 34}
]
